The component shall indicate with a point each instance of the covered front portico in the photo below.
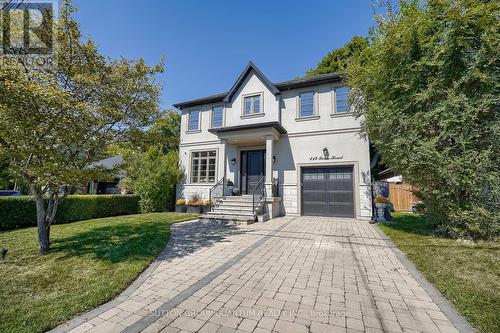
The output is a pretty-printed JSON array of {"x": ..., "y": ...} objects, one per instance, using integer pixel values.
[{"x": 248, "y": 157}]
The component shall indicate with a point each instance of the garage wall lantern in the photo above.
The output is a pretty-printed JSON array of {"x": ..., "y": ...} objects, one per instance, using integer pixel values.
[
  {"x": 274, "y": 159},
  {"x": 233, "y": 161},
  {"x": 325, "y": 152}
]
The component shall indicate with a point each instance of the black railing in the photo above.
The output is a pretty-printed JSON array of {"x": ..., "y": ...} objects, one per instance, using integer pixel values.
[
  {"x": 217, "y": 192},
  {"x": 258, "y": 192},
  {"x": 276, "y": 187}
]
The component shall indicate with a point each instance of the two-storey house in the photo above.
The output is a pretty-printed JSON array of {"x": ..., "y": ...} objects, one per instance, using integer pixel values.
[{"x": 296, "y": 140}]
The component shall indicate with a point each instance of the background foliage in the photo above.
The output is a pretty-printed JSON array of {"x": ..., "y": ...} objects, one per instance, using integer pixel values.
[
  {"x": 428, "y": 89},
  {"x": 16, "y": 212}
]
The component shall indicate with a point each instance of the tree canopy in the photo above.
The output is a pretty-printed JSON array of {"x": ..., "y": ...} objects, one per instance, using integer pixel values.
[
  {"x": 338, "y": 59},
  {"x": 427, "y": 88},
  {"x": 55, "y": 123}
]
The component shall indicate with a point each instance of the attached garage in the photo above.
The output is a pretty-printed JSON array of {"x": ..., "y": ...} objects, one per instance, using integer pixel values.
[{"x": 327, "y": 191}]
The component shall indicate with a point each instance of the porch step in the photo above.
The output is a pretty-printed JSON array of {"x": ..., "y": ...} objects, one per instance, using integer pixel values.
[
  {"x": 227, "y": 217},
  {"x": 230, "y": 212},
  {"x": 234, "y": 208}
]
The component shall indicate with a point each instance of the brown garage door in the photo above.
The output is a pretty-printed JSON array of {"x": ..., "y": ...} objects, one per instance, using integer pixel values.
[{"x": 328, "y": 191}]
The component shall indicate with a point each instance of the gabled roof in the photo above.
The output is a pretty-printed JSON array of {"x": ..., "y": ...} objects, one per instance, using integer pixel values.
[
  {"x": 275, "y": 88},
  {"x": 251, "y": 66}
]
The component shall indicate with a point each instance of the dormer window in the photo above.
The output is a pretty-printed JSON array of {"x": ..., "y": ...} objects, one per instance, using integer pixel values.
[{"x": 251, "y": 105}]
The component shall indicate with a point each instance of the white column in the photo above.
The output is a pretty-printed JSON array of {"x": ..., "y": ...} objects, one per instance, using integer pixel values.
[
  {"x": 269, "y": 165},
  {"x": 269, "y": 158},
  {"x": 222, "y": 160}
]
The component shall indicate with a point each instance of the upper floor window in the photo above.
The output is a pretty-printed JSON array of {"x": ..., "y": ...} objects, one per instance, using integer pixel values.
[
  {"x": 306, "y": 108},
  {"x": 342, "y": 100},
  {"x": 194, "y": 120},
  {"x": 251, "y": 105},
  {"x": 217, "y": 116},
  {"x": 203, "y": 165}
]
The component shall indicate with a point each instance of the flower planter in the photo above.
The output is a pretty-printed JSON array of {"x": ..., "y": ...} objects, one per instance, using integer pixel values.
[
  {"x": 381, "y": 211},
  {"x": 193, "y": 209},
  {"x": 229, "y": 189},
  {"x": 180, "y": 208}
]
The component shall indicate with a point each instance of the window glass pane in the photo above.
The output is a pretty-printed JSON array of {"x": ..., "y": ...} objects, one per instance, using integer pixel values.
[
  {"x": 203, "y": 171},
  {"x": 248, "y": 105},
  {"x": 342, "y": 100},
  {"x": 256, "y": 104},
  {"x": 194, "y": 118},
  {"x": 203, "y": 166},
  {"x": 307, "y": 104},
  {"x": 217, "y": 116},
  {"x": 194, "y": 171}
]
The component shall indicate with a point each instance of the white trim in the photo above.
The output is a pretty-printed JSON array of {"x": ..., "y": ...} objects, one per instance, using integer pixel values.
[
  {"x": 324, "y": 132},
  {"x": 261, "y": 112},
  {"x": 188, "y": 172},
  {"x": 315, "y": 101}
]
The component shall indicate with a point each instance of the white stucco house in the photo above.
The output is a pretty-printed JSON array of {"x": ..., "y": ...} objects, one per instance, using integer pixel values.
[{"x": 295, "y": 143}]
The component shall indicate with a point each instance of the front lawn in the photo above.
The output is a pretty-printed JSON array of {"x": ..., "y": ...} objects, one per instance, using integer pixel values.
[
  {"x": 89, "y": 263},
  {"x": 467, "y": 274}
]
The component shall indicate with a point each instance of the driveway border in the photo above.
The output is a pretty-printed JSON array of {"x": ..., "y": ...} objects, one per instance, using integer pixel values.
[{"x": 460, "y": 323}]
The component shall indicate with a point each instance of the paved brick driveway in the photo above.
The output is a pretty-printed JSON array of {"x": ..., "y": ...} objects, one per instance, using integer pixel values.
[{"x": 286, "y": 275}]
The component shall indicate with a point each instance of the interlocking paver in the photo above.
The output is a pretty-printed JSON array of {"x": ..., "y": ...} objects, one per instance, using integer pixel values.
[{"x": 286, "y": 275}]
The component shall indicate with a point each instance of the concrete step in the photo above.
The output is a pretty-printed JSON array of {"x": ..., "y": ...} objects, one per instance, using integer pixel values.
[
  {"x": 230, "y": 212},
  {"x": 229, "y": 217},
  {"x": 235, "y": 204},
  {"x": 237, "y": 199},
  {"x": 237, "y": 208}
]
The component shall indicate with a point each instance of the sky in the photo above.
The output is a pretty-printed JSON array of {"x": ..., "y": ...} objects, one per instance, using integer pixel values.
[{"x": 206, "y": 44}]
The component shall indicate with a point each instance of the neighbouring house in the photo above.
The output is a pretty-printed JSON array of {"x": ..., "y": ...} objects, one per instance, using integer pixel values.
[
  {"x": 289, "y": 148},
  {"x": 109, "y": 186}
]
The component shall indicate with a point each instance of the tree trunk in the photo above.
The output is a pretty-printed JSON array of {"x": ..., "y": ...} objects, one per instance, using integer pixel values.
[{"x": 43, "y": 228}]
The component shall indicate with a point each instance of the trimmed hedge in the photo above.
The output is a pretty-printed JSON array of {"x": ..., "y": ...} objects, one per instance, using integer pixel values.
[{"x": 17, "y": 212}]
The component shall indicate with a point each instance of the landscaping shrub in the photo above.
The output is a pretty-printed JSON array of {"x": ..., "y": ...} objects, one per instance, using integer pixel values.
[{"x": 16, "y": 212}]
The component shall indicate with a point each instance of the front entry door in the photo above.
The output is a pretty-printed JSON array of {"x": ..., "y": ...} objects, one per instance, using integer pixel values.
[{"x": 253, "y": 164}]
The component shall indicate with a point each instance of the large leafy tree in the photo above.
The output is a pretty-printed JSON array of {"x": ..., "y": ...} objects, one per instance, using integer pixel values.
[
  {"x": 428, "y": 90},
  {"x": 338, "y": 59},
  {"x": 55, "y": 123}
]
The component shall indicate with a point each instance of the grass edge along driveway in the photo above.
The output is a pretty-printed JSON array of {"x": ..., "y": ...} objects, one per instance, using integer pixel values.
[
  {"x": 466, "y": 273},
  {"x": 90, "y": 262}
]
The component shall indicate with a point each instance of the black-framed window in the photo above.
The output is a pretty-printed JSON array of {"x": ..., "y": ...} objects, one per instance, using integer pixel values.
[
  {"x": 306, "y": 108},
  {"x": 203, "y": 164},
  {"x": 342, "y": 100},
  {"x": 251, "y": 105},
  {"x": 194, "y": 120},
  {"x": 217, "y": 116}
]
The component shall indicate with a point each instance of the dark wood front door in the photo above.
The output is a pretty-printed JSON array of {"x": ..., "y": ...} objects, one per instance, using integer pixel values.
[{"x": 253, "y": 166}]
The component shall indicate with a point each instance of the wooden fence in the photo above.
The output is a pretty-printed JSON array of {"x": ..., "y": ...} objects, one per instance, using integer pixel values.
[{"x": 401, "y": 197}]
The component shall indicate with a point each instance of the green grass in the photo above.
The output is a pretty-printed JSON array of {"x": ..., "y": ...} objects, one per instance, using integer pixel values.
[
  {"x": 89, "y": 263},
  {"x": 467, "y": 274}
]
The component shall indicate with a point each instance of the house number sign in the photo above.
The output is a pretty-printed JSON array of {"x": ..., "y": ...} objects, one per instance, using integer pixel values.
[{"x": 326, "y": 156}]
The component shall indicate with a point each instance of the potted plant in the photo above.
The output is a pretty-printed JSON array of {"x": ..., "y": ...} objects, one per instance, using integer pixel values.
[
  {"x": 194, "y": 206},
  {"x": 381, "y": 204},
  {"x": 180, "y": 206},
  {"x": 205, "y": 208},
  {"x": 229, "y": 186}
]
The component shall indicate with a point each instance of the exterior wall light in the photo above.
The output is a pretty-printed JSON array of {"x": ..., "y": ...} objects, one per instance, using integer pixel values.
[
  {"x": 233, "y": 161},
  {"x": 274, "y": 159},
  {"x": 325, "y": 152}
]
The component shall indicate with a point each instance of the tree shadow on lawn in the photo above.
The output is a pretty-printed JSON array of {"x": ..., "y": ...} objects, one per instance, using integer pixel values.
[{"x": 126, "y": 242}]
